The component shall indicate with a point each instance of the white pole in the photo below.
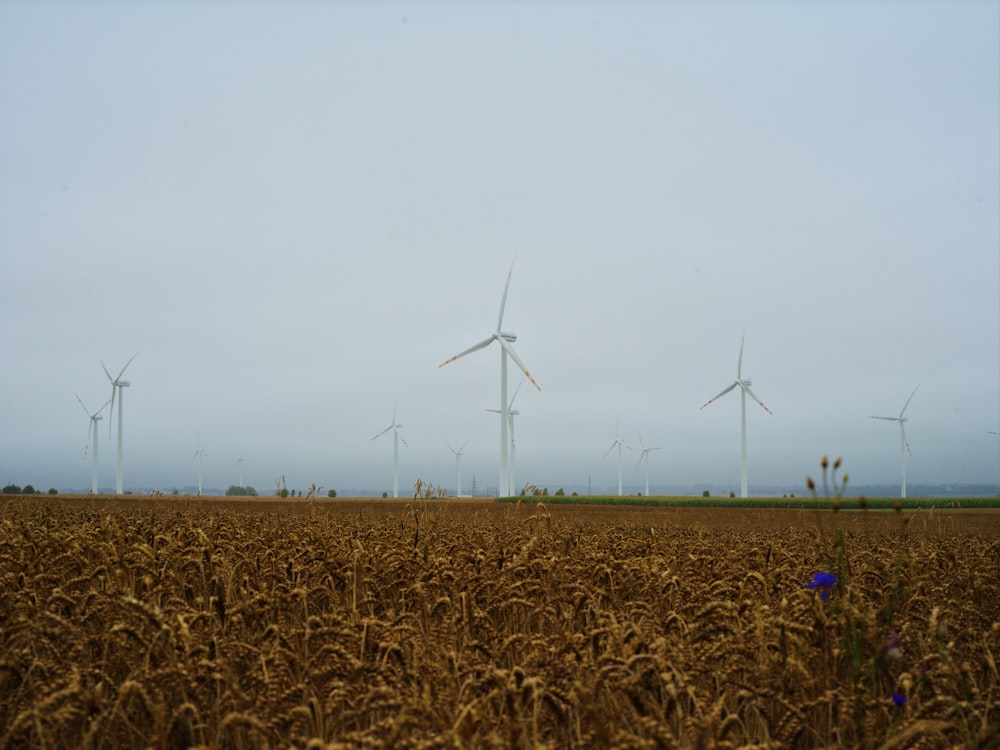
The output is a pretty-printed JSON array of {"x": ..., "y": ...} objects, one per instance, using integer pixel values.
[
  {"x": 505, "y": 489},
  {"x": 902, "y": 460},
  {"x": 743, "y": 441},
  {"x": 395, "y": 461},
  {"x": 93, "y": 478},
  {"x": 118, "y": 477}
]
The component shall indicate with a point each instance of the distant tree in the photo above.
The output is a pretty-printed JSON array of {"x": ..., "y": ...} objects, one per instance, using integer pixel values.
[
  {"x": 175, "y": 491},
  {"x": 560, "y": 492},
  {"x": 385, "y": 494},
  {"x": 237, "y": 491},
  {"x": 331, "y": 493},
  {"x": 53, "y": 491},
  {"x": 706, "y": 493},
  {"x": 732, "y": 494},
  {"x": 574, "y": 494},
  {"x": 11, "y": 489},
  {"x": 27, "y": 490}
]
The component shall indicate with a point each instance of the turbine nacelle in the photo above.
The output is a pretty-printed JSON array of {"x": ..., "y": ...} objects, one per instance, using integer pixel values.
[{"x": 509, "y": 337}]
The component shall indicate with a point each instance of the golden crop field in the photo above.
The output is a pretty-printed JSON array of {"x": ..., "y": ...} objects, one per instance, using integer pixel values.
[{"x": 172, "y": 623}]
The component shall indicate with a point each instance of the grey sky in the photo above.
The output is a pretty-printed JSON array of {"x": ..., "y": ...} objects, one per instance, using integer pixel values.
[{"x": 296, "y": 211}]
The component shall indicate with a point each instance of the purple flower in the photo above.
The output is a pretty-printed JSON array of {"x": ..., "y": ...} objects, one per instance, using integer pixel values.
[
  {"x": 822, "y": 581},
  {"x": 899, "y": 700}
]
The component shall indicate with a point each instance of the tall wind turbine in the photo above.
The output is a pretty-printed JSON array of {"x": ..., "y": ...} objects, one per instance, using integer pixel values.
[
  {"x": 458, "y": 465},
  {"x": 199, "y": 454},
  {"x": 94, "y": 419},
  {"x": 119, "y": 384},
  {"x": 511, "y": 413},
  {"x": 618, "y": 443},
  {"x": 904, "y": 447},
  {"x": 645, "y": 457},
  {"x": 505, "y": 339},
  {"x": 744, "y": 390},
  {"x": 396, "y": 437},
  {"x": 239, "y": 468}
]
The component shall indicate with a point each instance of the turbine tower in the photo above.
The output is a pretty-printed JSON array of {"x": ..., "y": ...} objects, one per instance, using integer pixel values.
[
  {"x": 118, "y": 384},
  {"x": 618, "y": 443},
  {"x": 199, "y": 454},
  {"x": 904, "y": 447},
  {"x": 92, "y": 428},
  {"x": 645, "y": 457},
  {"x": 239, "y": 468},
  {"x": 396, "y": 437},
  {"x": 511, "y": 413},
  {"x": 458, "y": 465},
  {"x": 505, "y": 339},
  {"x": 744, "y": 390}
]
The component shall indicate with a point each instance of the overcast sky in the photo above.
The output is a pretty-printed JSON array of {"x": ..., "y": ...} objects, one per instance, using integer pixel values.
[{"x": 294, "y": 212}]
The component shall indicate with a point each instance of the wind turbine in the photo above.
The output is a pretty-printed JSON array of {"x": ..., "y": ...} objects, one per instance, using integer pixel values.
[
  {"x": 119, "y": 384},
  {"x": 618, "y": 443},
  {"x": 396, "y": 437},
  {"x": 199, "y": 454},
  {"x": 744, "y": 390},
  {"x": 904, "y": 447},
  {"x": 511, "y": 413},
  {"x": 92, "y": 428},
  {"x": 505, "y": 339},
  {"x": 239, "y": 468},
  {"x": 645, "y": 457},
  {"x": 458, "y": 465}
]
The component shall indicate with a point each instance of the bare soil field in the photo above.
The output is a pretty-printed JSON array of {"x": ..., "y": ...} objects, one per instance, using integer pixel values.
[{"x": 174, "y": 622}]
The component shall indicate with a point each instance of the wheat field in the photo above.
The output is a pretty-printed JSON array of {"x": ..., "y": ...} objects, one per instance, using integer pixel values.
[{"x": 171, "y": 623}]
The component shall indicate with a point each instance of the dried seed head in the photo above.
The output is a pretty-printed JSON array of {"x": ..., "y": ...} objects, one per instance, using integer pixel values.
[
  {"x": 825, "y": 462},
  {"x": 836, "y": 464}
]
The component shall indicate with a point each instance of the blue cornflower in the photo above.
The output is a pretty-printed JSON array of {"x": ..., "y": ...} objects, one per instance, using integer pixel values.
[
  {"x": 824, "y": 582},
  {"x": 899, "y": 700}
]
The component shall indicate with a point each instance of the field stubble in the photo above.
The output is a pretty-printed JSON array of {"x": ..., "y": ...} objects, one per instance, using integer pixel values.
[{"x": 172, "y": 623}]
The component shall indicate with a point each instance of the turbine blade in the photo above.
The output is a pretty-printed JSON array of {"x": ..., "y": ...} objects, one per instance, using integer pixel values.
[
  {"x": 480, "y": 345},
  {"x": 503, "y": 299},
  {"x": 84, "y": 406},
  {"x": 754, "y": 397},
  {"x": 906, "y": 442},
  {"x": 106, "y": 372},
  {"x": 383, "y": 432},
  {"x": 739, "y": 364},
  {"x": 889, "y": 419},
  {"x": 405, "y": 444},
  {"x": 517, "y": 360},
  {"x": 609, "y": 450},
  {"x": 511, "y": 404},
  {"x": 126, "y": 365},
  {"x": 723, "y": 393},
  {"x": 908, "y": 401}
]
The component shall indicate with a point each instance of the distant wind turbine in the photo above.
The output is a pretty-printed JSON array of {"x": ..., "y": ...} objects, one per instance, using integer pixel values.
[
  {"x": 618, "y": 443},
  {"x": 199, "y": 454},
  {"x": 511, "y": 413},
  {"x": 396, "y": 437},
  {"x": 239, "y": 468},
  {"x": 505, "y": 340},
  {"x": 744, "y": 390},
  {"x": 904, "y": 447},
  {"x": 118, "y": 384},
  {"x": 645, "y": 457},
  {"x": 458, "y": 465},
  {"x": 92, "y": 428}
]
